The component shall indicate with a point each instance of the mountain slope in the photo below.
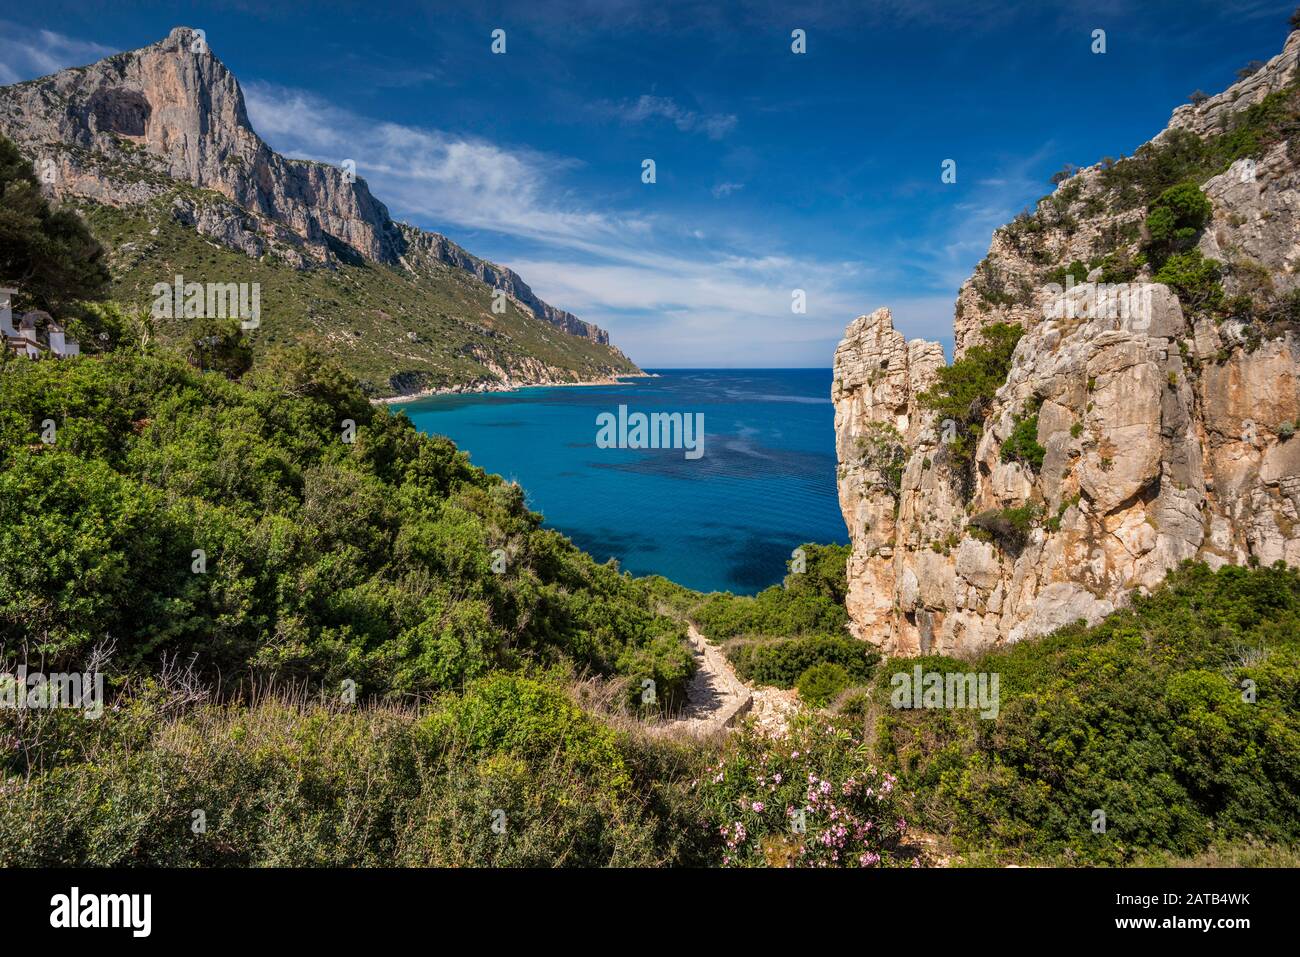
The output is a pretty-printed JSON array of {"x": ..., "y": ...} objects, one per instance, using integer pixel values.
[
  {"x": 160, "y": 136},
  {"x": 1124, "y": 396}
]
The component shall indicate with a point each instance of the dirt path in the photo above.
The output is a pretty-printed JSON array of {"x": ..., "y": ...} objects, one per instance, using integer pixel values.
[{"x": 716, "y": 698}]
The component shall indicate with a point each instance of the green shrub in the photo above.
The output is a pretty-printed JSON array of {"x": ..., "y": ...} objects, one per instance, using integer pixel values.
[
  {"x": 1077, "y": 270},
  {"x": 1180, "y": 718},
  {"x": 1194, "y": 279},
  {"x": 48, "y": 253},
  {"x": 1022, "y": 444},
  {"x": 1007, "y": 527},
  {"x": 821, "y": 683},
  {"x": 1175, "y": 221},
  {"x": 780, "y": 661},
  {"x": 963, "y": 392}
]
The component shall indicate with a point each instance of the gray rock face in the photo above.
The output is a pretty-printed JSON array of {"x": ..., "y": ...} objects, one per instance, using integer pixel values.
[
  {"x": 1255, "y": 225},
  {"x": 124, "y": 130},
  {"x": 1146, "y": 464},
  {"x": 421, "y": 247},
  {"x": 1165, "y": 437}
]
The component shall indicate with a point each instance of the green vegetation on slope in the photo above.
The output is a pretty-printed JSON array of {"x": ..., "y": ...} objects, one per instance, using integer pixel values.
[
  {"x": 1163, "y": 178},
  {"x": 963, "y": 393},
  {"x": 1179, "y": 719},
  {"x": 177, "y": 512},
  {"x": 509, "y": 773},
  {"x": 777, "y": 636},
  {"x": 393, "y": 330}
]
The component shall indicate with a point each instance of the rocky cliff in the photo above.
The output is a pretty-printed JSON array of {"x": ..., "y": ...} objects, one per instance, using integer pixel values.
[
  {"x": 125, "y": 131},
  {"x": 1145, "y": 415}
]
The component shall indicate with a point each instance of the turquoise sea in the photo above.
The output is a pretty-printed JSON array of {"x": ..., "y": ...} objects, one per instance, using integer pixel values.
[{"x": 725, "y": 521}]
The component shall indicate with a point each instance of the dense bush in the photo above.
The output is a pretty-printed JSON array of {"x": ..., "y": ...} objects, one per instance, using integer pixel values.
[
  {"x": 247, "y": 531},
  {"x": 1022, "y": 444},
  {"x": 1175, "y": 221},
  {"x": 1194, "y": 279},
  {"x": 780, "y": 661},
  {"x": 48, "y": 254},
  {"x": 807, "y": 602},
  {"x": 290, "y": 783},
  {"x": 821, "y": 683},
  {"x": 1179, "y": 719}
]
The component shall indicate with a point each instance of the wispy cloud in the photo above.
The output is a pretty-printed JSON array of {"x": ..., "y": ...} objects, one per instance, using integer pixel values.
[
  {"x": 666, "y": 289},
  {"x": 462, "y": 180},
  {"x": 26, "y": 53},
  {"x": 674, "y": 288},
  {"x": 649, "y": 107}
]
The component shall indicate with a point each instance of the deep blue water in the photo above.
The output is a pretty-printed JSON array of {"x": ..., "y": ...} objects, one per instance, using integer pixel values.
[{"x": 725, "y": 521}]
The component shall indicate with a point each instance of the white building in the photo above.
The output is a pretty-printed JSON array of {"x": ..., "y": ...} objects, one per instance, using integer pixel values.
[
  {"x": 25, "y": 339},
  {"x": 60, "y": 344},
  {"x": 6, "y": 313}
]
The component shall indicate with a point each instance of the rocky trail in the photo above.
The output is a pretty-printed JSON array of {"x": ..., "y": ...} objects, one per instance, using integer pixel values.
[{"x": 716, "y": 697}]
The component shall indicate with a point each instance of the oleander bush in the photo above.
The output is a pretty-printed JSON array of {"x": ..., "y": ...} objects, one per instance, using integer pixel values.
[{"x": 812, "y": 799}]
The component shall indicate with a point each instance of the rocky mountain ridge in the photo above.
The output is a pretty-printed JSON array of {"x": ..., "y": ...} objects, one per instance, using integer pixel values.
[
  {"x": 1145, "y": 415},
  {"x": 167, "y": 124}
]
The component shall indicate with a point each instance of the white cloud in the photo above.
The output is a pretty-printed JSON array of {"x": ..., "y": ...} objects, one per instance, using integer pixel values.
[
  {"x": 464, "y": 180},
  {"x": 665, "y": 294},
  {"x": 26, "y": 53},
  {"x": 713, "y": 125},
  {"x": 726, "y": 189}
]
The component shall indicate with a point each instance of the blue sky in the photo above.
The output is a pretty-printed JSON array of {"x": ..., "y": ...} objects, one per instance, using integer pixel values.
[{"x": 775, "y": 171}]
